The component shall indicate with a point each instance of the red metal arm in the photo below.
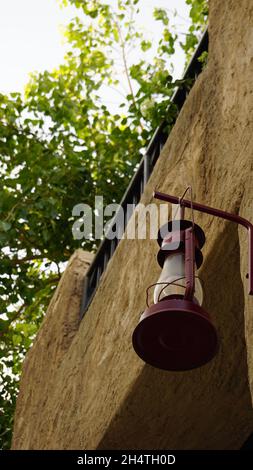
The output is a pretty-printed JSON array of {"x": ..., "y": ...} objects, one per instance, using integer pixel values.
[{"x": 217, "y": 213}]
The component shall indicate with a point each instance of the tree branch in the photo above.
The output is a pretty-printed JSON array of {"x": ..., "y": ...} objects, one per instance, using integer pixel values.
[
  {"x": 126, "y": 70},
  {"x": 18, "y": 261},
  {"x": 17, "y": 314}
]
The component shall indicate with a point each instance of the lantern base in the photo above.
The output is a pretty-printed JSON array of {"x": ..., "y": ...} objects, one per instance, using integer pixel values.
[{"x": 175, "y": 335}]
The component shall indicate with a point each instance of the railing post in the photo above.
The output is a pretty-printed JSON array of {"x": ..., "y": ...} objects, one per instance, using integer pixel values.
[{"x": 146, "y": 168}]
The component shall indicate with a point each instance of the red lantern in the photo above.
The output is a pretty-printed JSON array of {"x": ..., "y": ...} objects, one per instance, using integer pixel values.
[{"x": 176, "y": 333}]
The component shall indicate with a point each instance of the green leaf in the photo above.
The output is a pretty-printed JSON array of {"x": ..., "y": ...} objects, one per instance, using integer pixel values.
[
  {"x": 145, "y": 45},
  {"x": 17, "y": 339},
  {"x": 160, "y": 14},
  {"x": 4, "y": 226}
]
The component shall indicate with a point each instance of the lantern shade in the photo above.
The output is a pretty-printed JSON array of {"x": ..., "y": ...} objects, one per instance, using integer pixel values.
[
  {"x": 175, "y": 335},
  {"x": 172, "y": 279}
]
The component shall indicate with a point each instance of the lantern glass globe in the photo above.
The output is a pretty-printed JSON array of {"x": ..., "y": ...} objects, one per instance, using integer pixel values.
[{"x": 172, "y": 280}]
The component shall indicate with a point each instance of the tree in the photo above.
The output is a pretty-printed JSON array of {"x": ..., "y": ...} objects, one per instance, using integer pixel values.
[{"x": 61, "y": 144}]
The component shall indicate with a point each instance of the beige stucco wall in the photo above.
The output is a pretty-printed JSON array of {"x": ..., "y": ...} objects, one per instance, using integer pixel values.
[{"x": 84, "y": 387}]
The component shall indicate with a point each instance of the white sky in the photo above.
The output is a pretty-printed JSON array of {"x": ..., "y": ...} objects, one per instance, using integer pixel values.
[{"x": 30, "y": 37}]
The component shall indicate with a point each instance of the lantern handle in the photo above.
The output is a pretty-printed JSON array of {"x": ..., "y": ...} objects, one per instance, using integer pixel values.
[
  {"x": 221, "y": 214},
  {"x": 180, "y": 199}
]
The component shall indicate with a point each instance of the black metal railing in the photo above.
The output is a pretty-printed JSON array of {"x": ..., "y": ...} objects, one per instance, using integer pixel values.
[{"x": 140, "y": 178}]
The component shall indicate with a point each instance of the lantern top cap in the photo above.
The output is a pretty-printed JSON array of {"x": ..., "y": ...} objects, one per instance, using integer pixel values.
[{"x": 184, "y": 224}]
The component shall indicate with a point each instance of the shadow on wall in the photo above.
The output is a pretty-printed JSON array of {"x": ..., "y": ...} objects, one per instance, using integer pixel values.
[{"x": 219, "y": 390}]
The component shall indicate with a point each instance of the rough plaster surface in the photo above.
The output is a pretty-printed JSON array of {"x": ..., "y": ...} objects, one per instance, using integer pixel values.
[{"x": 85, "y": 387}]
